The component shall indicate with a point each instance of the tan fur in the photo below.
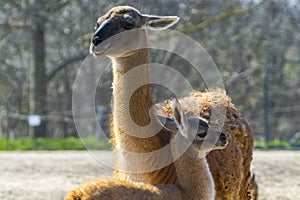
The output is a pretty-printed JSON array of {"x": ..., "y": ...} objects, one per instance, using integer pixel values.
[
  {"x": 139, "y": 105},
  {"x": 230, "y": 168},
  {"x": 106, "y": 189},
  {"x": 194, "y": 181}
]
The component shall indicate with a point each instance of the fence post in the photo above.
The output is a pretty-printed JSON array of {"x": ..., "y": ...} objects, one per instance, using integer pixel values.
[{"x": 266, "y": 100}]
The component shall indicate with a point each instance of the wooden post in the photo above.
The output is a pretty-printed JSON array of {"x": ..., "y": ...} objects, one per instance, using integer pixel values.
[
  {"x": 37, "y": 74},
  {"x": 266, "y": 100}
]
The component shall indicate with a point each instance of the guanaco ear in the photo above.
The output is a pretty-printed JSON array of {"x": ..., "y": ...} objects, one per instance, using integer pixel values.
[
  {"x": 178, "y": 116},
  {"x": 159, "y": 22}
]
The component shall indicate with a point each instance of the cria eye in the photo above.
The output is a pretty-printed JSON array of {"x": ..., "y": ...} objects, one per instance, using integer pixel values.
[{"x": 201, "y": 135}]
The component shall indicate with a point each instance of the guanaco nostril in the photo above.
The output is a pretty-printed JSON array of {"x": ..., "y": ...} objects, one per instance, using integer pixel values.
[
  {"x": 223, "y": 136},
  {"x": 97, "y": 40}
]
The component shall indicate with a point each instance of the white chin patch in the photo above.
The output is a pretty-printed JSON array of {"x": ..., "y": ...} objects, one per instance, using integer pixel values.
[
  {"x": 100, "y": 49},
  {"x": 91, "y": 49}
]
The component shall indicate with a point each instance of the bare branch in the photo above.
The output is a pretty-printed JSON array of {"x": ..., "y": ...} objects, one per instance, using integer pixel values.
[
  {"x": 15, "y": 4},
  {"x": 64, "y": 63},
  {"x": 20, "y": 26},
  {"x": 222, "y": 16},
  {"x": 53, "y": 7}
]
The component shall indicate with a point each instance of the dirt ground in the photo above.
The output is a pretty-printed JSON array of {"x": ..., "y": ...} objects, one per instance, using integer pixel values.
[{"x": 51, "y": 175}]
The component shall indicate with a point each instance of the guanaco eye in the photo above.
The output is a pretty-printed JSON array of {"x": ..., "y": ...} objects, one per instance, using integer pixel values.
[
  {"x": 96, "y": 26},
  {"x": 128, "y": 24}
]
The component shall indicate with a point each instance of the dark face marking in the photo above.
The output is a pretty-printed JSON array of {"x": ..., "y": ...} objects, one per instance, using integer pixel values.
[{"x": 114, "y": 22}]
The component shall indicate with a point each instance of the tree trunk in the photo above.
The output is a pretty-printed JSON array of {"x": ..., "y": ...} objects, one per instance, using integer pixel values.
[
  {"x": 37, "y": 75},
  {"x": 267, "y": 126}
]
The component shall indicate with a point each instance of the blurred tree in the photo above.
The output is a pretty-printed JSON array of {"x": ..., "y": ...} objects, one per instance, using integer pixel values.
[
  {"x": 32, "y": 18},
  {"x": 48, "y": 39}
]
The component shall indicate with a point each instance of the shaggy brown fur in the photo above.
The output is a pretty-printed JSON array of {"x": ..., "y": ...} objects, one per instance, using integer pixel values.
[{"x": 253, "y": 190}]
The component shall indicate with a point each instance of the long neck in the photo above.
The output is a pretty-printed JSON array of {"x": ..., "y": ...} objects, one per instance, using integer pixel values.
[
  {"x": 193, "y": 175},
  {"x": 131, "y": 104},
  {"x": 129, "y": 74}
]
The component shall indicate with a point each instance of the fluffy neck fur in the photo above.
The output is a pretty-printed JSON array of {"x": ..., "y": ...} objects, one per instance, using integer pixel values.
[
  {"x": 123, "y": 86},
  {"x": 193, "y": 175}
]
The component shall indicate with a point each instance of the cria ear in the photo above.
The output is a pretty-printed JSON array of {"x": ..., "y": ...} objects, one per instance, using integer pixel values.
[
  {"x": 178, "y": 116},
  {"x": 159, "y": 22}
]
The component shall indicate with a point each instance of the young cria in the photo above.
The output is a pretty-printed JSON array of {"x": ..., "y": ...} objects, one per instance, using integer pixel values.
[
  {"x": 230, "y": 167},
  {"x": 194, "y": 178}
]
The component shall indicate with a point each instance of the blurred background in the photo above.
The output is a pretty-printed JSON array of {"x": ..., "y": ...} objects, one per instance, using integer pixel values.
[{"x": 255, "y": 44}]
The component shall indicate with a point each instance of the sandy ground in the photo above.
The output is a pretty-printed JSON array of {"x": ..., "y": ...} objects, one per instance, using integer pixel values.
[{"x": 51, "y": 175}]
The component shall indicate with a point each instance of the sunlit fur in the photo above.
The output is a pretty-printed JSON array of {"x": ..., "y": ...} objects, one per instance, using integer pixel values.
[
  {"x": 230, "y": 168},
  {"x": 194, "y": 178},
  {"x": 253, "y": 191}
]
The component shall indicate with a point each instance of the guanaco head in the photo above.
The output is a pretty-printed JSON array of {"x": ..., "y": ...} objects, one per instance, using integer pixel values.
[
  {"x": 120, "y": 19},
  {"x": 188, "y": 126}
]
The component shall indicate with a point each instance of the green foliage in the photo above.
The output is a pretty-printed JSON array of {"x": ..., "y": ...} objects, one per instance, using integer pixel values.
[
  {"x": 278, "y": 144},
  {"x": 23, "y": 144},
  {"x": 273, "y": 144},
  {"x": 291, "y": 71},
  {"x": 296, "y": 143},
  {"x": 93, "y": 144},
  {"x": 259, "y": 145}
]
